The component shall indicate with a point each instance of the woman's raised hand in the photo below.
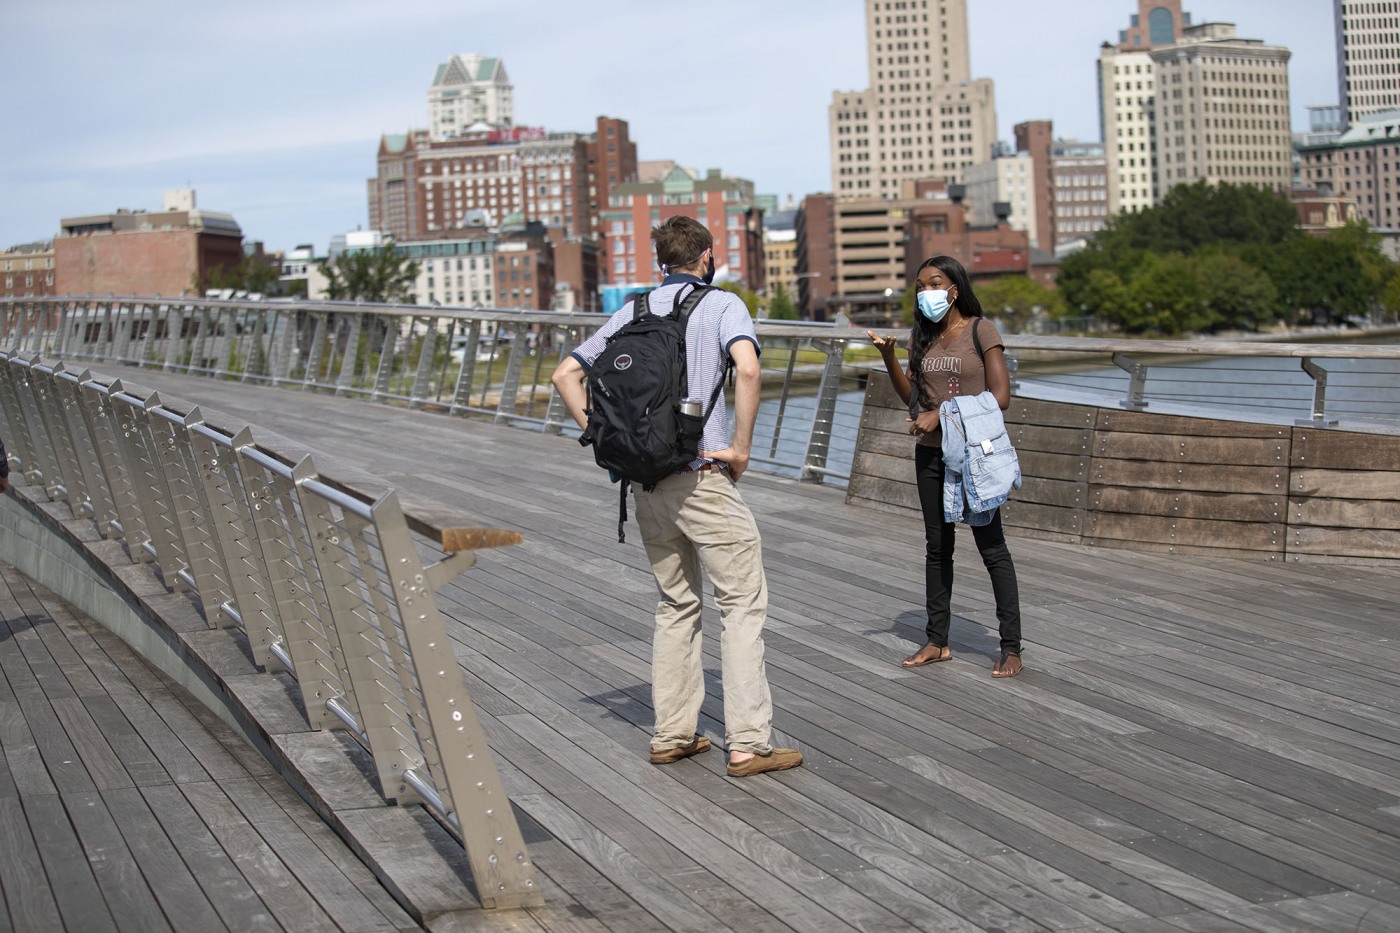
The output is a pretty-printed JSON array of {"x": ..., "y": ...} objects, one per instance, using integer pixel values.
[{"x": 885, "y": 345}]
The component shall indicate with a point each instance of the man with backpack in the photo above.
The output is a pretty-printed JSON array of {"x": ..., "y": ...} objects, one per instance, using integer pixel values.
[{"x": 692, "y": 516}]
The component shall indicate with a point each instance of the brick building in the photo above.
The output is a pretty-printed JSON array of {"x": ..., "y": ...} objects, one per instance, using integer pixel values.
[
  {"x": 576, "y": 273},
  {"x": 725, "y": 205},
  {"x": 1363, "y": 165},
  {"x": 1320, "y": 211},
  {"x": 429, "y": 189},
  {"x": 166, "y": 252},
  {"x": 816, "y": 255},
  {"x": 1037, "y": 139},
  {"x": 27, "y": 271}
]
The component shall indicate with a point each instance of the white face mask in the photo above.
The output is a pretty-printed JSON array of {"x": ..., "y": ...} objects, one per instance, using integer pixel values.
[{"x": 933, "y": 303}]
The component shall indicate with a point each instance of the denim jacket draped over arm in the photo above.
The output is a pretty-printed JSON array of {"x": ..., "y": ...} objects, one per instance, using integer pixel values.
[{"x": 980, "y": 468}]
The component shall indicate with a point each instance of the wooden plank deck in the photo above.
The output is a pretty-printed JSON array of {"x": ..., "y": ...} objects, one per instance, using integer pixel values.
[
  {"x": 1197, "y": 743},
  {"x": 126, "y": 805}
]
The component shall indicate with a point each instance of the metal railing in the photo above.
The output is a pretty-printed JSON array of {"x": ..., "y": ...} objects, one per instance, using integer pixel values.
[
  {"x": 326, "y": 584},
  {"x": 487, "y": 363},
  {"x": 496, "y": 364}
]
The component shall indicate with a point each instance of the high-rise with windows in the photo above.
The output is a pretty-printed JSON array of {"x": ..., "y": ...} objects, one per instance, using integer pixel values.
[
  {"x": 1368, "y": 57},
  {"x": 1183, "y": 102},
  {"x": 469, "y": 90},
  {"x": 1080, "y": 175},
  {"x": 1221, "y": 112},
  {"x": 1126, "y": 88},
  {"x": 923, "y": 115}
]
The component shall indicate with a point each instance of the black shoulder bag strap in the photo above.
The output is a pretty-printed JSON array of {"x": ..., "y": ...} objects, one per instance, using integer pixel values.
[
  {"x": 641, "y": 305},
  {"x": 685, "y": 303}
]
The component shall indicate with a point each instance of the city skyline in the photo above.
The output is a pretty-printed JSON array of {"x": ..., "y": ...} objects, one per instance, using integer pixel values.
[{"x": 276, "y": 119}]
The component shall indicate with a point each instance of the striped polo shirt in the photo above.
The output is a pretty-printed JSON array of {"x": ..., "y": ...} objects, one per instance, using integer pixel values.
[{"x": 717, "y": 322}]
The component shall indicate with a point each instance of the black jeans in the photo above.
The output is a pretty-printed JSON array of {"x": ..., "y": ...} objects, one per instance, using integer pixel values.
[{"x": 938, "y": 559}]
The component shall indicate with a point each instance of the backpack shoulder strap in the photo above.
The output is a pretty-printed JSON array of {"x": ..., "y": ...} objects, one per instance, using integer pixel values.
[
  {"x": 977, "y": 340},
  {"x": 641, "y": 304},
  {"x": 681, "y": 310},
  {"x": 686, "y": 302}
]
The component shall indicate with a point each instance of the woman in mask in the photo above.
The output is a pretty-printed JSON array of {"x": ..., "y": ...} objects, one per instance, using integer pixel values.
[{"x": 944, "y": 362}]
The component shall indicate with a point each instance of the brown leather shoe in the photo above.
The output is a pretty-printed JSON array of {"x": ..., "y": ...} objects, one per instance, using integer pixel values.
[
  {"x": 667, "y": 755},
  {"x": 779, "y": 759}
]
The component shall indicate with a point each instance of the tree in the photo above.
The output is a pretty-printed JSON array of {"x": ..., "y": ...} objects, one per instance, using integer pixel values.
[
  {"x": 747, "y": 295},
  {"x": 780, "y": 306},
  {"x": 255, "y": 273},
  {"x": 379, "y": 276},
  {"x": 1365, "y": 243},
  {"x": 1320, "y": 279},
  {"x": 1237, "y": 294},
  {"x": 1016, "y": 299},
  {"x": 1103, "y": 294},
  {"x": 1390, "y": 295},
  {"x": 1223, "y": 256},
  {"x": 1163, "y": 295},
  {"x": 1201, "y": 214}
]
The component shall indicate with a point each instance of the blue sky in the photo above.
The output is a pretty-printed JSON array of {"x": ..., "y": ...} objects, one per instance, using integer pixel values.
[{"x": 273, "y": 112}]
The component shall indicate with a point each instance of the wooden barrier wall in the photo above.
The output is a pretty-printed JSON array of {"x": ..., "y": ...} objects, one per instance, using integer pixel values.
[{"x": 1156, "y": 482}]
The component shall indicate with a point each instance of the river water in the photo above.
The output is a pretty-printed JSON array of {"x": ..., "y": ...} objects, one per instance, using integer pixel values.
[{"x": 1360, "y": 394}]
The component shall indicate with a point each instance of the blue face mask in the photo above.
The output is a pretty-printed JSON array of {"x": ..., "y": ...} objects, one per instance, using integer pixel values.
[{"x": 933, "y": 303}]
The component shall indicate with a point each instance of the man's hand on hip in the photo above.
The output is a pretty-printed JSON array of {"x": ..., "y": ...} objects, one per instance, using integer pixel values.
[{"x": 736, "y": 461}]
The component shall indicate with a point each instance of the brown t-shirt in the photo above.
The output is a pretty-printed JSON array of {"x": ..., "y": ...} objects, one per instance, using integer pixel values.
[{"x": 956, "y": 369}]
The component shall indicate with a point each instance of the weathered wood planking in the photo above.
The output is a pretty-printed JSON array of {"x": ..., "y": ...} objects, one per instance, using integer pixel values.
[
  {"x": 1169, "y": 483},
  {"x": 1196, "y": 743},
  {"x": 1344, "y": 495},
  {"x": 96, "y": 831}
]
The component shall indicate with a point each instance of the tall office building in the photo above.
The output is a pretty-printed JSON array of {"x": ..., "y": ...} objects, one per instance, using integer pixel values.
[
  {"x": 1368, "y": 57},
  {"x": 1080, "y": 174},
  {"x": 1126, "y": 89},
  {"x": 923, "y": 115},
  {"x": 1006, "y": 184},
  {"x": 469, "y": 90},
  {"x": 1221, "y": 111}
]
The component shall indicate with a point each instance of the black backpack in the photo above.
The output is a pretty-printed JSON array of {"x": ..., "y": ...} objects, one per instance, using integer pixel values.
[{"x": 635, "y": 423}]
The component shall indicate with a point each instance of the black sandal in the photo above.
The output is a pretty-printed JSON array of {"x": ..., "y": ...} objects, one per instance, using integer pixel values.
[
  {"x": 1000, "y": 670},
  {"x": 944, "y": 654}
]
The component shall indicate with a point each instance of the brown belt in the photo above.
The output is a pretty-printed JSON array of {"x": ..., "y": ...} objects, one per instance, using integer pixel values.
[{"x": 702, "y": 468}]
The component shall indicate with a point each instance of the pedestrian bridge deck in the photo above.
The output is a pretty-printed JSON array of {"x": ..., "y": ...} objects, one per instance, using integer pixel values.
[
  {"x": 1195, "y": 744},
  {"x": 125, "y": 804}
]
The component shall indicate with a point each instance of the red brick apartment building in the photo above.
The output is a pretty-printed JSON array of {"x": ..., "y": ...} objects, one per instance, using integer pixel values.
[
  {"x": 427, "y": 188},
  {"x": 724, "y": 205},
  {"x": 430, "y": 189}
]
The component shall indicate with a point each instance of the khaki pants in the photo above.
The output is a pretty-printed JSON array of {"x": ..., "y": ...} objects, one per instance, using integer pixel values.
[{"x": 690, "y": 521}]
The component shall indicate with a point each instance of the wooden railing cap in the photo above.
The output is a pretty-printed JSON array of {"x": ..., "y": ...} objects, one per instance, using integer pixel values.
[{"x": 473, "y": 539}]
